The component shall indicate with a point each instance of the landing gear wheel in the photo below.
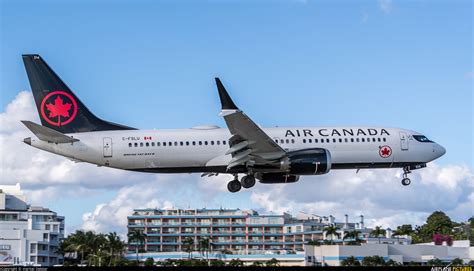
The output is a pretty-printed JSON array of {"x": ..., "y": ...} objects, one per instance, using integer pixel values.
[
  {"x": 234, "y": 186},
  {"x": 248, "y": 181},
  {"x": 406, "y": 181}
]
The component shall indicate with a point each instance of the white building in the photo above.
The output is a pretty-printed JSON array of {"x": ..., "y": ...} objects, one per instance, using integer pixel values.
[
  {"x": 28, "y": 235},
  {"x": 420, "y": 253}
]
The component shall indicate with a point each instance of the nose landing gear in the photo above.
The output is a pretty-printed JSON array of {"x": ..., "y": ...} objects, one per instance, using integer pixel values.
[{"x": 406, "y": 181}]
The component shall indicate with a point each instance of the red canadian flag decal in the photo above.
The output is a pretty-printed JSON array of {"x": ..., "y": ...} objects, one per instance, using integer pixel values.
[
  {"x": 147, "y": 137},
  {"x": 385, "y": 151}
]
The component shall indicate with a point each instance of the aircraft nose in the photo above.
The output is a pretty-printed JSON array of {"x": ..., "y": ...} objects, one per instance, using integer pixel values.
[{"x": 439, "y": 150}]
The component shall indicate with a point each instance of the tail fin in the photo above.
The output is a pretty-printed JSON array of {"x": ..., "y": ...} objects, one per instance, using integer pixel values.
[{"x": 58, "y": 107}]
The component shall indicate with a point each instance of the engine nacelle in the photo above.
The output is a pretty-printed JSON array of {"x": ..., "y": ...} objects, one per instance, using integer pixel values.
[
  {"x": 315, "y": 161},
  {"x": 277, "y": 178}
]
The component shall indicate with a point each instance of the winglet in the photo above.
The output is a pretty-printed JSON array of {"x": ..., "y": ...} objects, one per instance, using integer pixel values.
[{"x": 226, "y": 101}]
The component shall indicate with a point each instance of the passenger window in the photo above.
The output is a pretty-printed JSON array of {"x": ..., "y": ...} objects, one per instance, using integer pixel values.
[
  {"x": 153, "y": 144},
  {"x": 223, "y": 142},
  {"x": 181, "y": 143},
  {"x": 287, "y": 141},
  {"x": 212, "y": 142},
  {"x": 176, "y": 143},
  {"x": 129, "y": 144},
  {"x": 164, "y": 144},
  {"x": 304, "y": 140},
  {"x": 384, "y": 139},
  {"x": 147, "y": 144},
  {"x": 378, "y": 139},
  {"x": 157, "y": 144},
  {"x": 170, "y": 144},
  {"x": 357, "y": 139},
  {"x": 368, "y": 139},
  {"x": 194, "y": 143},
  {"x": 218, "y": 142},
  {"x": 136, "y": 144},
  {"x": 310, "y": 140},
  {"x": 187, "y": 143},
  {"x": 333, "y": 140},
  {"x": 276, "y": 140},
  {"x": 200, "y": 143},
  {"x": 315, "y": 140},
  {"x": 205, "y": 143},
  {"x": 346, "y": 140},
  {"x": 340, "y": 140},
  {"x": 327, "y": 140},
  {"x": 373, "y": 139},
  {"x": 363, "y": 139},
  {"x": 292, "y": 141},
  {"x": 141, "y": 144},
  {"x": 352, "y": 140}
]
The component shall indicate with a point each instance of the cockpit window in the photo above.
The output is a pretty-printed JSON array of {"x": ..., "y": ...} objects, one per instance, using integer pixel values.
[{"x": 421, "y": 138}]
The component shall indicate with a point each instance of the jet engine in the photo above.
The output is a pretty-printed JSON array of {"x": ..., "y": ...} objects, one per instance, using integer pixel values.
[
  {"x": 277, "y": 178},
  {"x": 314, "y": 161}
]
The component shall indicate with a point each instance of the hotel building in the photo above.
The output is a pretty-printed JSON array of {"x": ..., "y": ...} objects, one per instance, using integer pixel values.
[
  {"x": 28, "y": 235},
  {"x": 232, "y": 230}
]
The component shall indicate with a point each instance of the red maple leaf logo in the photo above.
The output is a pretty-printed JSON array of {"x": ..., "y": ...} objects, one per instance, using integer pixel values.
[
  {"x": 58, "y": 109},
  {"x": 385, "y": 152}
]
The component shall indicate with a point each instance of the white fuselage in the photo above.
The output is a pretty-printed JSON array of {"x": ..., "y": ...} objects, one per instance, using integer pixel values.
[{"x": 203, "y": 149}]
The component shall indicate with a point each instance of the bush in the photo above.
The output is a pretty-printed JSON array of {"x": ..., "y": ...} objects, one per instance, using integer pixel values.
[
  {"x": 149, "y": 262},
  {"x": 350, "y": 261},
  {"x": 236, "y": 262},
  {"x": 435, "y": 262},
  {"x": 273, "y": 262},
  {"x": 373, "y": 261}
]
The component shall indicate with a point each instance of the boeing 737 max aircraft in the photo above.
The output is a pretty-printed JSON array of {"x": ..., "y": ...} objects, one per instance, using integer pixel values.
[{"x": 271, "y": 155}]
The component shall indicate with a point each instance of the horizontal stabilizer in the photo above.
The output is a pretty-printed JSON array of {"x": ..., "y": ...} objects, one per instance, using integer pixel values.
[{"x": 48, "y": 134}]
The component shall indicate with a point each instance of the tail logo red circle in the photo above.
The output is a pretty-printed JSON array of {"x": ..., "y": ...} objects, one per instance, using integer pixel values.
[{"x": 60, "y": 106}]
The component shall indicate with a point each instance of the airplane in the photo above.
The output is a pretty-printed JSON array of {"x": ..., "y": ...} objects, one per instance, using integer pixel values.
[{"x": 269, "y": 155}]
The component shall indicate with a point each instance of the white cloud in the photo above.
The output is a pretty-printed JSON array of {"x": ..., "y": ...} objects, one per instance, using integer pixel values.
[{"x": 386, "y": 5}]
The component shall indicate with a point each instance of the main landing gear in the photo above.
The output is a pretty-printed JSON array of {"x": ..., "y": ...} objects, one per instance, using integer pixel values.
[
  {"x": 247, "y": 181},
  {"x": 406, "y": 181}
]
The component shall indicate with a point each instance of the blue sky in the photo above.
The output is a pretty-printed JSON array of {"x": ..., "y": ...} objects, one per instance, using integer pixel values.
[{"x": 151, "y": 64}]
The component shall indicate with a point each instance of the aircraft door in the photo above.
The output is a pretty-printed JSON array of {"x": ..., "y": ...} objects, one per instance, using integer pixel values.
[
  {"x": 107, "y": 147},
  {"x": 404, "y": 141}
]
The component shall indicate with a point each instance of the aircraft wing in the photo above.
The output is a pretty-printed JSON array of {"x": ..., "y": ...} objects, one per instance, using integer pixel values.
[{"x": 248, "y": 143}]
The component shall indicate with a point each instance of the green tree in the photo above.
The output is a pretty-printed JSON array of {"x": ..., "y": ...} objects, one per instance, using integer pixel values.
[
  {"x": 331, "y": 231},
  {"x": 435, "y": 262},
  {"x": 217, "y": 263},
  {"x": 188, "y": 245},
  {"x": 77, "y": 242},
  {"x": 378, "y": 232},
  {"x": 437, "y": 222},
  {"x": 350, "y": 261},
  {"x": 236, "y": 262},
  {"x": 149, "y": 262},
  {"x": 354, "y": 235},
  {"x": 373, "y": 261},
  {"x": 457, "y": 261},
  {"x": 257, "y": 263},
  {"x": 137, "y": 237},
  {"x": 205, "y": 246},
  {"x": 391, "y": 262},
  {"x": 272, "y": 262}
]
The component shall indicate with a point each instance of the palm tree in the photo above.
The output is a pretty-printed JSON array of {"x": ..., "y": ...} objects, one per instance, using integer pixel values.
[
  {"x": 115, "y": 247},
  {"x": 331, "y": 231},
  {"x": 205, "y": 246},
  {"x": 138, "y": 237},
  {"x": 188, "y": 245},
  {"x": 352, "y": 235},
  {"x": 78, "y": 243},
  {"x": 398, "y": 232},
  {"x": 377, "y": 232}
]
